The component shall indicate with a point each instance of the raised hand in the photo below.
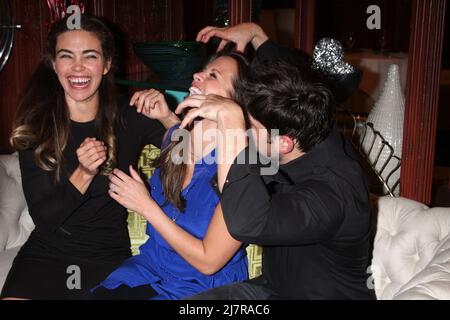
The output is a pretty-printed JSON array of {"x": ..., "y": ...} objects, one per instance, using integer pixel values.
[
  {"x": 241, "y": 35},
  {"x": 91, "y": 155},
  {"x": 151, "y": 103},
  {"x": 210, "y": 107},
  {"x": 130, "y": 192}
]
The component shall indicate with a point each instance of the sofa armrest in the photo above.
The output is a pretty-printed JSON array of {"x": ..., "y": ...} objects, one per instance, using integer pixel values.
[
  {"x": 15, "y": 222},
  {"x": 3, "y": 234}
]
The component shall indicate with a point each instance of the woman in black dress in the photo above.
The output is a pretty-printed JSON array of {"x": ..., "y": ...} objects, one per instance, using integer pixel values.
[{"x": 71, "y": 133}]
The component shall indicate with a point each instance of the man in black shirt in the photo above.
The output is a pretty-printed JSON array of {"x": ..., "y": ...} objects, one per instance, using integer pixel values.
[{"x": 312, "y": 217}]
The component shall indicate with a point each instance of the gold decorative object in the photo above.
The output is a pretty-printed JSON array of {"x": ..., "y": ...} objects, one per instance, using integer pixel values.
[{"x": 136, "y": 223}]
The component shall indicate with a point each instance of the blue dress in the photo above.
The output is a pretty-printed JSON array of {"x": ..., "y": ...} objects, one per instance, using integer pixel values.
[{"x": 161, "y": 267}]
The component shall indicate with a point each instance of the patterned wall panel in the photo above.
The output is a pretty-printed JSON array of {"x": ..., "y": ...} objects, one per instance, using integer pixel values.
[
  {"x": 136, "y": 224},
  {"x": 254, "y": 254}
]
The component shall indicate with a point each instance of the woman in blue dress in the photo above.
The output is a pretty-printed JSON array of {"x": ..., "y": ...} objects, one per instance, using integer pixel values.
[{"x": 189, "y": 249}]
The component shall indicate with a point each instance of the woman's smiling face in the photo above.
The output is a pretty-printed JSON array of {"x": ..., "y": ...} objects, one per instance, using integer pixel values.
[
  {"x": 80, "y": 65},
  {"x": 217, "y": 78}
]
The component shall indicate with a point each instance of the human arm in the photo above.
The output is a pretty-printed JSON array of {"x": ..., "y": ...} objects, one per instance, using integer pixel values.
[
  {"x": 241, "y": 34},
  {"x": 208, "y": 255},
  {"x": 266, "y": 50},
  {"x": 270, "y": 52},
  {"x": 230, "y": 126},
  {"x": 305, "y": 214},
  {"x": 91, "y": 155}
]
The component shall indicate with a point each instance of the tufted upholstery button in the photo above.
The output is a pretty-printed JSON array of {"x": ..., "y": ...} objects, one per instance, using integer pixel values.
[{"x": 412, "y": 246}]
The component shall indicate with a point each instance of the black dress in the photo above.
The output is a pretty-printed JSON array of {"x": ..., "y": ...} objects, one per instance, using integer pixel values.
[{"x": 78, "y": 239}]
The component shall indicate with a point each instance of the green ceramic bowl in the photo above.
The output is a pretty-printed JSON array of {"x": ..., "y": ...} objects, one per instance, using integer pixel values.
[{"x": 172, "y": 61}]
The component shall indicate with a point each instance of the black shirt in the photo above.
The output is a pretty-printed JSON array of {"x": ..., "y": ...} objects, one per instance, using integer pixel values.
[
  {"x": 312, "y": 219},
  {"x": 269, "y": 52},
  {"x": 93, "y": 225}
]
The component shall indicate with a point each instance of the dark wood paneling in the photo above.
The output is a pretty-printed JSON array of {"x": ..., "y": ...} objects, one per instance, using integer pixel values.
[
  {"x": 421, "y": 112},
  {"x": 446, "y": 50},
  {"x": 338, "y": 18},
  {"x": 139, "y": 20},
  {"x": 305, "y": 14},
  {"x": 26, "y": 54},
  {"x": 240, "y": 11},
  {"x": 197, "y": 15},
  {"x": 175, "y": 14}
]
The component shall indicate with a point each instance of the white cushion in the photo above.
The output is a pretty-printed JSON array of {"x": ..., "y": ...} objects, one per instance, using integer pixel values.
[
  {"x": 433, "y": 282},
  {"x": 409, "y": 234},
  {"x": 15, "y": 222}
]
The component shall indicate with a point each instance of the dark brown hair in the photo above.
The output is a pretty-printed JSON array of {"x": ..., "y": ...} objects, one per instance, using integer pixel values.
[
  {"x": 172, "y": 174},
  {"x": 296, "y": 100},
  {"x": 42, "y": 118}
]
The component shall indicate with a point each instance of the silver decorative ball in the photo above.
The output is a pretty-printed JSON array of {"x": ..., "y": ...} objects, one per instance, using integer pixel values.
[{"x": 328, "y": 57}]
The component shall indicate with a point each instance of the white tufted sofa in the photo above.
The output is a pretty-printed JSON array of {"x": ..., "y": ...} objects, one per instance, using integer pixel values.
[
  {"x": 411, "y": 256},
  {"x": 15, "y": 222}
]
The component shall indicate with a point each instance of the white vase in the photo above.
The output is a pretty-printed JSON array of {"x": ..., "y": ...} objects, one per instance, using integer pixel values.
[{"x": 387, "y": 117}]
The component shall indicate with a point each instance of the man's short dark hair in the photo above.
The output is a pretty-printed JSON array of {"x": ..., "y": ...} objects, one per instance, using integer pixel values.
[{"x": 291, "y": 98}]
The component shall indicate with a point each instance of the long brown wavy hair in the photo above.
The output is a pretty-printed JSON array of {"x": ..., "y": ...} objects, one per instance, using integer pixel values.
[
  {"x": 42, "y": 118},
  {"x": 173, "y": 174}
]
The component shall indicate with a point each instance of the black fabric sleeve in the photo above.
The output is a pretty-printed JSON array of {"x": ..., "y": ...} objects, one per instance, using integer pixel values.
[
  {"x": 49, "y": 204},
  {"x": 269, "y": 51},
  {"x": 150, "y": 131},
  {"x": 307, "y": 214}
]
